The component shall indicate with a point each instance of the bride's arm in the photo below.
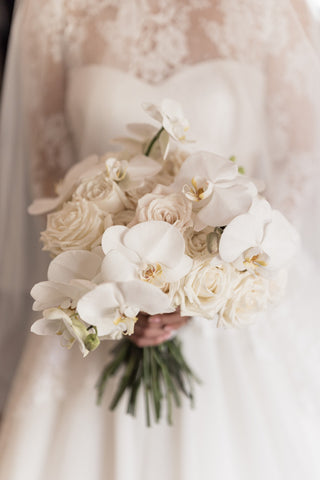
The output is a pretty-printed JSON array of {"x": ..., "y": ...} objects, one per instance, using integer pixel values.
[
  {"x": 35, "y": 150},
  {"x": 44, "y": 82},
  {"x": 292, "y": 70}
]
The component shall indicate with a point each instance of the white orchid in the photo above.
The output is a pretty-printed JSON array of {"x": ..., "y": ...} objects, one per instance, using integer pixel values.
[
  {"x": 143, "y": 133},
  {"x": 87, "y": 168},
  {"x": 171, "y": 117},
  {"x": 65, "y": 324},
  {"x": 150, "y": 251},
  {"x": 261, "y": 240},
  {"x": 133, "y": 173},
  {"x": 218, "y": 193},
  {"x": 113, "y": 307},
  {"x": 70, "y": 275}
]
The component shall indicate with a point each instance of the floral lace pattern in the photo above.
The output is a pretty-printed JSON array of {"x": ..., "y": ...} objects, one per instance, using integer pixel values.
[{"x": 152, "y": 40}]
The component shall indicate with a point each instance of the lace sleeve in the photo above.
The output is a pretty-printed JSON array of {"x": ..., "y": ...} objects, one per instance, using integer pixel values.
[
  {"x": 293, "y": 113},
  {"x": 44, "y": 76},
  {"x": 280, "y": 41}
]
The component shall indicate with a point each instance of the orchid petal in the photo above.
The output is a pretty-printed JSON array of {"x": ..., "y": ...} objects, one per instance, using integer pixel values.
[
  {"x": 153, "y": 111},
  {"x": 176, "y": 273},
  {"x": 242, "y": 233},
  {"x": 46, "y": 326},
  {"x": 141, "y": 166},
  {"x": 72, "y": 264},
  {"x": 145, "y": 297},
  {"x": 164, "y": 142},
  {"x": 98, "y": 307},
  {"x": 225, "y": 205},
  {"x": 281, "y": 241},
  {"x": 261, "y": 209},
  {"x": 72, "y": 178},
  {"x": 52, "y": 294},
  {"x": 112, "y": 239},
  {"x": 142, "y": 130},
  {"x": 208, "y": 165},
  {"x": 117, "y": 266},
  {"x": 156, "y": 241},
  {"x": 44, "y": 205}
]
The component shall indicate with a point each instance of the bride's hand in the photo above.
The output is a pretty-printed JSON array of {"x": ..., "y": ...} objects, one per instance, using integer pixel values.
[{"x": 153, "y": 330}]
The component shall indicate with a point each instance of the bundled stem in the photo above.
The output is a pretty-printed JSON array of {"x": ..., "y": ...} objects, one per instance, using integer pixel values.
[{"x": 162, "y": 370}]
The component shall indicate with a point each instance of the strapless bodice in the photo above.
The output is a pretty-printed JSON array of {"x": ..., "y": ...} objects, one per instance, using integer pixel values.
[{"x": 223, "y": 100}]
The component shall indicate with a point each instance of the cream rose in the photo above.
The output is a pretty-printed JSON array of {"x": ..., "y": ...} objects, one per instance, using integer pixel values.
[
  {"x": 103, "y": 192},
  {"x": 79, "y": 225},
  {"x": 251, "y": 295},
  {"x": 202, "y": 243},
  {"x": 124, "y": 217},
  {"x": 172, "y": 208},
  {"x": 207, "y": 287}
]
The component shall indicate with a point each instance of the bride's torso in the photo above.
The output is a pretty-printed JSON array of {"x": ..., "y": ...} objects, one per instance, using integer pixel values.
[
  {"x": 146, "y": 51},
  {"x": 223, "y": 100},
  {"x": 229, "y": 65}
]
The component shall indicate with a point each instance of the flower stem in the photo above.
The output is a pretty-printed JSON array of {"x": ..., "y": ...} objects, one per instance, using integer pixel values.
[
  {"x": 161, "y": 370},
  {"x": 153, "y": 141}
]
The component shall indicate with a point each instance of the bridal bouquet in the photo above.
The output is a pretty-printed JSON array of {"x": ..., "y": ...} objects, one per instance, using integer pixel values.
[{"x": 153, "y": 229}]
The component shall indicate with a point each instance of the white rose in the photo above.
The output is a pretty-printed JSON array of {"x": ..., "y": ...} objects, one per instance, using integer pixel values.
[
  {"x": 79, "y": 225},
  {"x": 103, "y": 192},
  {"x": 174, "y": 161},
  {"x": 251, "y": 295},
  {"x": 207, "y": 287},
  {"x": 197, "y": 243},
  {"x": 124, "y": 217},
  {"x": 134, "y": 195},
  {"x": 172, "y": 208}
]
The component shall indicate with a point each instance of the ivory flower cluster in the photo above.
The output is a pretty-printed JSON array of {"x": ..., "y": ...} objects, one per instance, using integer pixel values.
[{"x": 152, "y": 228}]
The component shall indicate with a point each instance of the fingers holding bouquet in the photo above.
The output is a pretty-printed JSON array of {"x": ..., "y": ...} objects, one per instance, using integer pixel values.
[{"x": 151, "y": 330}]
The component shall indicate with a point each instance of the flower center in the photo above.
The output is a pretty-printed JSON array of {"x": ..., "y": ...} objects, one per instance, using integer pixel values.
[
  {"x": 116, "y": 169},
  {"x": 256, "y": 260},
  {"x": 180, "y": 130},
  {"x": 126, "y": 324},
  {"x": 150, "y": 272},
  {"x": 199, "y": 189}
]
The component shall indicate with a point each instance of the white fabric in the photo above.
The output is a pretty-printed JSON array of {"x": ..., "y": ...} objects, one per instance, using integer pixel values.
[{"x": 247, "y": 75}]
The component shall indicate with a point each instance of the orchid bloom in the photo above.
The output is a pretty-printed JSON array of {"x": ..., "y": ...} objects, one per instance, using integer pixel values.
[
  {"x": 65, "y": 324},
  {"x": 261, "y": 240},
  {"x": 218, "y": 193},
  {"x": 88, "y": 167},
  {"x": 170, "y": 115},
  {"x": 150, "y": 251},
  {"x": 142, "y": 134},
  {"x": 70, "y": 275},
  {"x": 131, "y": 174},
  {"x": 113, "y": 307}
]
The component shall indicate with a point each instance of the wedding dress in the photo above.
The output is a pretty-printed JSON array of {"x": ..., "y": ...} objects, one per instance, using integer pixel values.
[{"x": 247, "y": 74}]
